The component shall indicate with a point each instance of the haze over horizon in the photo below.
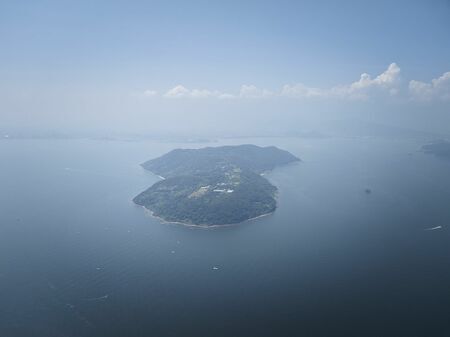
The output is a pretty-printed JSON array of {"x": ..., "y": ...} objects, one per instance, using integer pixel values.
[
  {"x": 224, "y": 168},
  {"x": 221, "y": 68}
]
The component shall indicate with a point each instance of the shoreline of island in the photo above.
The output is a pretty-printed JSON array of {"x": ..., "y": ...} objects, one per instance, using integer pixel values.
[{"x": 201, "y": 226}]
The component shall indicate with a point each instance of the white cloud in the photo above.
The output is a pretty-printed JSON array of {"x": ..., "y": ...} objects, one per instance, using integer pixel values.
[
  {"x": 251, "y": 91},
  {"x": 177, "y": 92},
  {"x": 439, "y": 88},
  {"x": 180, "y": 91},
  {"x": 385, "y": 84},
  {"x": 246, "y": 91},
  {"x": 202, "y": 93},
  {"x": 301, "y": 91}
]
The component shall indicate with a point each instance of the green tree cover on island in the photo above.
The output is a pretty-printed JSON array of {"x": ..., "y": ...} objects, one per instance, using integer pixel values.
[{"x": 213, "y": 186}]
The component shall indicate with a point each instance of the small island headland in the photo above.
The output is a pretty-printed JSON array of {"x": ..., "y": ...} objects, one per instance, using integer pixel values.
[{"x": 213, "y": 186}]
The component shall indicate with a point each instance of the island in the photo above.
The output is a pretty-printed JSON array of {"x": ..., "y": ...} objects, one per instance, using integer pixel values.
[
  {"x": 440, "y": 148},
  {"x": 213, "y": 186}
]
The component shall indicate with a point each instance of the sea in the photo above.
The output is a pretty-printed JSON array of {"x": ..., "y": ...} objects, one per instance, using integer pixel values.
[{"x": 358, "y": 246}]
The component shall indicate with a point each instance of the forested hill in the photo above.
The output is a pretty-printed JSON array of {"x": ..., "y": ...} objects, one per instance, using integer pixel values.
[
  {"x": 213, "y": 186},
  {"x": 193, "y": 161}
]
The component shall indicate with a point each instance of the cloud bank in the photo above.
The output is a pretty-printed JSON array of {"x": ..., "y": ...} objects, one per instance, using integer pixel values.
[
  {"x": 386, "y": 84},
  {"x": 437, "y": 89}
]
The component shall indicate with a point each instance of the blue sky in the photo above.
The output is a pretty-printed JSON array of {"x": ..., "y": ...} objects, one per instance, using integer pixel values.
[{"x": 74, "y": 53}]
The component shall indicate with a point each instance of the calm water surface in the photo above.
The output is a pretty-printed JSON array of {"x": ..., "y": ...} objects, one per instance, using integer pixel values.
[{"x": 78, "y": 258}]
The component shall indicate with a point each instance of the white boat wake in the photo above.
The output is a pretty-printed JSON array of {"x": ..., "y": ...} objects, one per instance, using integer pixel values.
[
  {"x": 97, "y": 298},
  {"x": 433, "y": 228}
]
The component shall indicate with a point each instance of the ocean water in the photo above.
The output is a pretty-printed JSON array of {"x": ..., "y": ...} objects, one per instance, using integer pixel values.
[{"x": 78, "y": 258}]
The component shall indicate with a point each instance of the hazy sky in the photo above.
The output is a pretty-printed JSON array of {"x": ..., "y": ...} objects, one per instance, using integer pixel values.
[{"x": 158, "y": 65}]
